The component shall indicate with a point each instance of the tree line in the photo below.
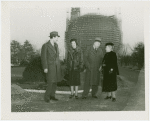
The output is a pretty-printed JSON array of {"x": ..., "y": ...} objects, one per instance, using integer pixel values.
[
  {"x": 22, "y": 54},
  {"x": 134, "y": 58}
]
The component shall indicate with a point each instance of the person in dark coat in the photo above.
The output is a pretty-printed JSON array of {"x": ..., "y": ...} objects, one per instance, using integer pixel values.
[
  {"x": 51, "y": 65},
  {"x": 74, "y": 66},
  {"x": 93, "y": 63},
  {"x": 110, "y": 72}
]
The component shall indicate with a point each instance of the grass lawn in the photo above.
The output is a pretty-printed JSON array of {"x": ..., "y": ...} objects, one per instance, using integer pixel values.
[
  {"x": 33, "y": 102},
  {"x": 17, "y": 71},
  {"x": 16, "y": 78}
]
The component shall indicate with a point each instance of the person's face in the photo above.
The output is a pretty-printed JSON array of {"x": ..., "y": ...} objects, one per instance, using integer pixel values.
[
  {"x": 108, "y": 48},
  {"x": 55, "y": 39},
  {"x": 97, "y": 44},
  {"x": 73, "y": 44}
]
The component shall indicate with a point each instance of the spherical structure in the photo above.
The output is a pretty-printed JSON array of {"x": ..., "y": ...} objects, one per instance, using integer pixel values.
[{"x": 87, "y": 27}]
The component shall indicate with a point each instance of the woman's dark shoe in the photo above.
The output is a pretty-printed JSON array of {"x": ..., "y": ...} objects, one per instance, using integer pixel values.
[
  {"x": 113, "y": 99},
  {"x": 76, "y": 97},
  {"x": 83, "y": 97},
  {"x": 71, "y": 96},
  {"x": 108, "y": 97}
]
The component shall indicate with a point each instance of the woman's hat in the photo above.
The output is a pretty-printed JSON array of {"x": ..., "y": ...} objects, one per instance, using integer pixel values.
[
  {"x": 110, "y": 43},
  {"x": 73, "y": 40}
]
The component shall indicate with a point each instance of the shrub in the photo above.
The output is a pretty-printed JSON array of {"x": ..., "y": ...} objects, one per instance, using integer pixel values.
[
  {"x": 136, "y": 58},
  {"x": 65, "y": 81},
  {"x": 138, "y": 55},
  {"x": 125, "y": 60},
  {"x": 24, "y": 63},
  {"x": 34, "y": 72}
]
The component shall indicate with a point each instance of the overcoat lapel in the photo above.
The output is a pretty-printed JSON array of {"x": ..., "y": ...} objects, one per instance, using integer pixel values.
[
  {"x": 93, "y": 51},
  {"x": 51, "y": 46}
]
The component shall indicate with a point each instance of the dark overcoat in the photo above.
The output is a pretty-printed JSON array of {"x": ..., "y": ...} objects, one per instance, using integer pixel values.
[
  {"x": 93, "y": 61},
  {"x": 50, "y": 60},
  {"x": 109, "y": 79},
  {"x": 74, "y": 65}
]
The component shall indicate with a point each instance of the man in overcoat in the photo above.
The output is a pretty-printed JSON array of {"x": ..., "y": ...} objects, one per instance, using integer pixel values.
[
  {"x": 51, "y": 65},
  {"x": 93, "y": 63}
]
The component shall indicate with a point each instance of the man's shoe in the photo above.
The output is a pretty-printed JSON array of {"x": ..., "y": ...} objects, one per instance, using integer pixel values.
[
  {"x": 113, "y": 99},
  {"x": 53, "y": 98},
  {"x": 76, "y": 97},
  {"x": 108, "y": 97},
  {"x": 71, "y": 96},
  {"x": 94, "y": 97}
]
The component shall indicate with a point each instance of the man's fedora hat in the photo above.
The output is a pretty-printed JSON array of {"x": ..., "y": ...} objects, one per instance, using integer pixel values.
[
  {"x": 54, "y": 34},
  {"x": 98, "y": 39}
]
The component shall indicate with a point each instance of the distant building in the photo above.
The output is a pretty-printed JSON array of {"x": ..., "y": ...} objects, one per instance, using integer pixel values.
[
  {"x": 86, "y": 27},
  {"x": 75, "y": 13}
]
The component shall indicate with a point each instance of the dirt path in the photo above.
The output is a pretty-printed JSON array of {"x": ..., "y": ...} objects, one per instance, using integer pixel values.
[{"x": 131, "y": 75}]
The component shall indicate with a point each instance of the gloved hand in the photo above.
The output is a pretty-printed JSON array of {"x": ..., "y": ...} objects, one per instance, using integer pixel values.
[{"x": 111, "y": 71}]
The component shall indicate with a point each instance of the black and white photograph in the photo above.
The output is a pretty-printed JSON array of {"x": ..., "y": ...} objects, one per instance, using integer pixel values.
[{"x": 75, "y": 57}]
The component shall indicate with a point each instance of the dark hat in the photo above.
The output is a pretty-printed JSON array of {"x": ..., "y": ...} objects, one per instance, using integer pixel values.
[
  {"x": 97, "y": 39},
  {"x": 110, "y": 43},
  {"x": 54, "y": 34},
  {"x": 73, "y": 40}
]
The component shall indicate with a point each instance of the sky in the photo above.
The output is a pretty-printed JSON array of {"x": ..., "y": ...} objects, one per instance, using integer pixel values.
[{"x": 35, "y": 24}]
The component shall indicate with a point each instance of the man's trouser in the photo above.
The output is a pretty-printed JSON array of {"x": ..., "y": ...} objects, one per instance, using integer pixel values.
[
  {"x": 87, "y": 87},
  {"x": 50, "y": 90}
]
